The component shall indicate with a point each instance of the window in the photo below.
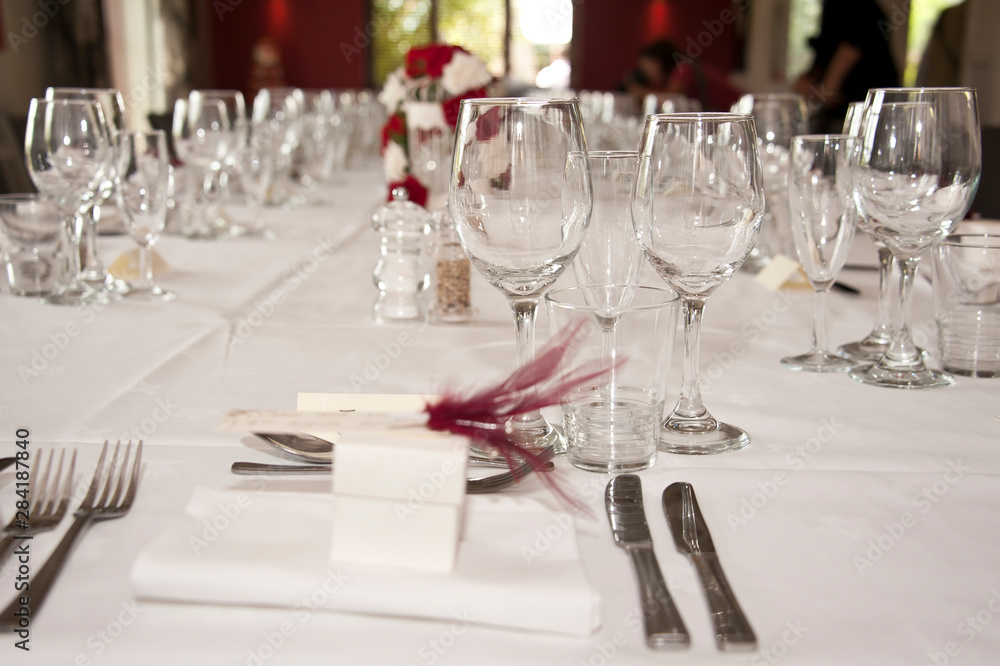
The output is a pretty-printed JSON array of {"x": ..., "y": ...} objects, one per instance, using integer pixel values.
[{"x": 525, "y": 41}]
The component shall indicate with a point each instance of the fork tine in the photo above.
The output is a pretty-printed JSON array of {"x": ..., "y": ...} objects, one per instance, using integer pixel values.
[
  {"x": 52, "y": 489},
  {"x": 67, "y": 487},
  {"x": 88, "y": 500},
  {"x": 38, "y": 489},
  {"x": 110, "y": 476},
  {"x": 121, "y": 476},
  {"x": 134, "y": 480}
]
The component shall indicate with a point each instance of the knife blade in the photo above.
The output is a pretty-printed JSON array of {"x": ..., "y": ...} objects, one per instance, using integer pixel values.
[
  {"x": 664, "y": 627},
  {"x": 692, "y": 538}
]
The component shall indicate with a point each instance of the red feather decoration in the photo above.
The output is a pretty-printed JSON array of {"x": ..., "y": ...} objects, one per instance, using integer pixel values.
[{"x": 483, "y": 416}]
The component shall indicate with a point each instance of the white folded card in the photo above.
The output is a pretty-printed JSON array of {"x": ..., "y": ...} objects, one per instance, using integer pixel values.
[{"x": 277, "y": 554}]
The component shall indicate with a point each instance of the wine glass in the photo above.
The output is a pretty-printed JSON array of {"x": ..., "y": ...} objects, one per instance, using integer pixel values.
[
  {"x": 282, "y": 109},
  {"x": 113, "y": 107},
  {"x": 876, "y": 343},
  {"x": 778, "y": 117},
  {"x": 236, "y": 112},
  {"x": 256, "y": 168},
  {"x": 67, "y": 149},
  {"x": 824, "y": 217},
  {"x": 916, "y": 169},
  {"x": 697, "y": 209},
  {"x": 203, "y": 139},
  {"x": 142, "y": 198},
  {"x": 520, "y": 206}
]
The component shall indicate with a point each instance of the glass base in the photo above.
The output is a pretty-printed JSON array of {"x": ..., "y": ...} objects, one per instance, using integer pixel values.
[
  {"x": 242, "y": 231},
  {"x": 904, "y": 378},
  {"x": 818, "y": 361},
  {"x": 868, "y": 350},
  {"x": 206, "y": 232},
  {"x": 704, "y": 436},
  {"x": 154, "y": 293},
  {"x": 75, "y": 293}
]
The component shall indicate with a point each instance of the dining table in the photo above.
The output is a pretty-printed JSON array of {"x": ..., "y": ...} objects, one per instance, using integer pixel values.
[{"x": 860, "y": 526}]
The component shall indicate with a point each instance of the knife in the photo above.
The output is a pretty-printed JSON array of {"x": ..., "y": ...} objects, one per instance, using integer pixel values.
[
  {"x": 692, "y": 538},
  {"x": 664, "y": 626}
]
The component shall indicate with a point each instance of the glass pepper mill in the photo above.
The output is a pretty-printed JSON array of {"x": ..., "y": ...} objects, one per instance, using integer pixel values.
[
  {"x": 401, "y": 272},
  {"x": 451, "y": 301}
]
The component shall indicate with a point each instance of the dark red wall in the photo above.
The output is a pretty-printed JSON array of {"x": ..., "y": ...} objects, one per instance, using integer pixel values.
[{"x": 318, "y": 38}]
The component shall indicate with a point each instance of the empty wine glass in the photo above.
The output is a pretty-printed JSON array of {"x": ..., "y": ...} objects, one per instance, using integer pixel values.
[
  {"x": 142, "y": 197},
  {"x": 236, "y": 112},
  {"x": 778, "y": 117},
  {"x": 916, "y": 169},
  {"x": 520, "y": 206},
  {"x": 610, "y": 253},
  {"x": 697, "y": 209},
  {"x": 281, "y": 108},
  {"x": 824, "y": 216},
  {"x": 67, "y": 149},
  {"x": 113, "y": 107},
  {"x": 876, "y": 343},
  {"x": 203, "y": 139}
]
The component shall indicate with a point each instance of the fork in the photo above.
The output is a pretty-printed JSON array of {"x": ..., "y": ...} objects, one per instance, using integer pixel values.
[
  {"x": 48, "y": 503},
  {"x": 107, "y": 507}
]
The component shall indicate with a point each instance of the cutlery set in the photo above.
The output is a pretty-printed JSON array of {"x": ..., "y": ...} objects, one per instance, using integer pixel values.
[{"x": 663, "y": 624}]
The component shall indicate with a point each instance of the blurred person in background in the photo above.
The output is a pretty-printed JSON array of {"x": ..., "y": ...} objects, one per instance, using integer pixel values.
[
  {"x": 851, "y": 56},
  {"x": 662, "y": 68}
]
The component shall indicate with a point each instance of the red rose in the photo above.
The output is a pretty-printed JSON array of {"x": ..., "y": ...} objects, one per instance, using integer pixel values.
[
  {"x": 394, "y": 130},
  {"x": 429, "y": 60},
  {"x": 418, "y": 193},
  {"x": 450, "y": 107}
]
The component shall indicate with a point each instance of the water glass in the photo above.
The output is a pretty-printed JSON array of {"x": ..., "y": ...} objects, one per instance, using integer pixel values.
[
  {"x": 613, "y": 424},
  {"x": 967, "y": 304},
  {"x": 31, "y": 237}
]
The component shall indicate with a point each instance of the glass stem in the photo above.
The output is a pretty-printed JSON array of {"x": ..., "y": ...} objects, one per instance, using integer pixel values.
[
  {"x": 886, "y": 291},
  {"x": 146, "y": 266},
  {"x": 72, "y": 218},
  {"x": 525, "y": 310},
  {"x": 903, "y": 351},
  {"x": 92, "y": 262},
  {"x": 819, "y": 322},
  {"x": 690, "y": 404}
]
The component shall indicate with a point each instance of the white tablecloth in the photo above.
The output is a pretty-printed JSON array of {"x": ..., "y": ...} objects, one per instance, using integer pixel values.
[{"x": 860, "y": 527}]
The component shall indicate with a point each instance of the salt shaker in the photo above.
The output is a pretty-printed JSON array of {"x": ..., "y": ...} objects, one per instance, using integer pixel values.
[
  {"x": 401, "y": 272},
  {"x": 451, "y": 298}
]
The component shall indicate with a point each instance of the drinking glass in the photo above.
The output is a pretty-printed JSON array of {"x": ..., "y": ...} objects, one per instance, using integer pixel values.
[
  {"x": 203, "y": 139},
  {"x": 282, "y": 109},
  {"x": 824, "y": 216},
  {"x": 876, "y": 343},
  {"x": 256, "y": 168},
  {"x": 67, "y": 148},
  {"x": 113, "y": 107},
  {"x": 916, "y": 169},
  {"x": 31, "y": 244},
  {"x": 778, "y": 117},
  {"x": 236, "y": 112},
  {"x": 142, "y": 197},
  {"x": 521, "y": 206},
  {"x": 697, "y": 209}
]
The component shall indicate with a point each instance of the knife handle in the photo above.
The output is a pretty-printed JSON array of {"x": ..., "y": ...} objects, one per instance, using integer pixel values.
[
  {"x": 664, "y": 627},
  {"x": 261, "y": 468},
  {"x": 732, "y": 630}
]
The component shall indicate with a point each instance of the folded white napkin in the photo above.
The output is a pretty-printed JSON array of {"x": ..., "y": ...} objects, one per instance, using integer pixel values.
[{"x": 517, "y": 565}]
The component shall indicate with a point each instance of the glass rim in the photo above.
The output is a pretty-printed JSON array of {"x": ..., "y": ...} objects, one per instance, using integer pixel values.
[
  {"x": 519, "y": 101},
  {"x": 91, "y": 101},
  {"x": 989, "y": 241},
  {"x": 918, "y": 89},
  {"x": 822, "y": 137},
  {"x": 607, "y": 154},
  {"x": 82, "y": 89},
  {"x": 552, "y": 295},
  {"x": 720, "y": 116}
]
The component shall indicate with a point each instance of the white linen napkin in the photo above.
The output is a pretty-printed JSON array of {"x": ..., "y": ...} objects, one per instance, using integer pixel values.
[{"x": 517, "y": 566}]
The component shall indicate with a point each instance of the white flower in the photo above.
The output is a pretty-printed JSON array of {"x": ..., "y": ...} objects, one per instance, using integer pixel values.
[
  {"x": 424, "y": 115},
  {"x": 394, "y": 90},
  {"x": 394, "y": 162},
  {"x": 465, "y": 72}
]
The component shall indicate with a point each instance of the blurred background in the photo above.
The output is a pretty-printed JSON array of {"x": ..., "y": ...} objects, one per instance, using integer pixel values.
[{"x": 157, "y": 50}]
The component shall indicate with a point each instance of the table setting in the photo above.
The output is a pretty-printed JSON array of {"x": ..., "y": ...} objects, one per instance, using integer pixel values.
[{"x": 282, "y": 440}]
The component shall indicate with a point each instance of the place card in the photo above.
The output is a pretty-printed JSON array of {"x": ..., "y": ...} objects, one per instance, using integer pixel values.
[
  {"x": 126, "y": 266},
  {"x": 265, "y": 420},
  {"x": 398, "y": 500},
  {"x": 777, "y": 272}
]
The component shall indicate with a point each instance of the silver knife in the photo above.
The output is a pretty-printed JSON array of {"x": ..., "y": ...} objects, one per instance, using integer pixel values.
[
  {"x": 664, "y": 627},
  {"x": 692, "y": 538}
]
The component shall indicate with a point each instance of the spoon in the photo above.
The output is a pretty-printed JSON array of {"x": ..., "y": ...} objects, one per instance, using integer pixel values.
[{"x": 317, "y": 450}]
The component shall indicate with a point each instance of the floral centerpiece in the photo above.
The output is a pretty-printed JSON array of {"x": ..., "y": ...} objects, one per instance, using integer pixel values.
[{"x": 422, "y": 99}]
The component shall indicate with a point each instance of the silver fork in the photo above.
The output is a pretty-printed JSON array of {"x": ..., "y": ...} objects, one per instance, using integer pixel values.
[
  {"x": 48, "y": 503},
  {"x": 107, "y": 480}
]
